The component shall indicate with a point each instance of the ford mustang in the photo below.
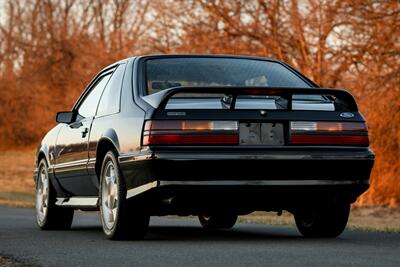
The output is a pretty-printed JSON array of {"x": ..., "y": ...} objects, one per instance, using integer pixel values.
[{"x": 212, "y": 136}]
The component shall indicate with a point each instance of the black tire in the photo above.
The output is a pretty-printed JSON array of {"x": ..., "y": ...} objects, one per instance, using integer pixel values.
[
  {"x": 221, "y": 221},
  {"x": 324, "y": 221},
  {"x": 54, "y": 217},
  {"x": 129, "y": 222}
]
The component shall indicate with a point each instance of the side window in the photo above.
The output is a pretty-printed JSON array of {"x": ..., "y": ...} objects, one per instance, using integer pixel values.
[
  {"x": 110, "y": 100},
  {"x": 89, "y": 105}
]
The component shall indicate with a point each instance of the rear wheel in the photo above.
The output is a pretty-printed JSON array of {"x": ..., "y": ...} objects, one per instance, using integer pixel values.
[
  {"x": 48, "y": 215},
  {"x": 119, "y": 220},
  {"x": 323, "y": 221},
  {"x": 221, "y": 221}
]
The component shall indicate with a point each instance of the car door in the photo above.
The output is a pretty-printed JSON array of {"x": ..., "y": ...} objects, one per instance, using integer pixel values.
[{"x": 71, "y": 155}]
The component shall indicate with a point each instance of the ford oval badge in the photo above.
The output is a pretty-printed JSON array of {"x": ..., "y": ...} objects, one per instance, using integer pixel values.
[{"x": 346, "y": 115}]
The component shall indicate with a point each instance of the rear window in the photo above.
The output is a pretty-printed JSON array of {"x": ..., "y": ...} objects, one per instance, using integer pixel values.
[{"x": 165, "y": 73}]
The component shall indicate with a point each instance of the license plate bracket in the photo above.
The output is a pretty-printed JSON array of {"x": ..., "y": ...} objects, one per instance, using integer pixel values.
[{"x": 254, "y": 133}]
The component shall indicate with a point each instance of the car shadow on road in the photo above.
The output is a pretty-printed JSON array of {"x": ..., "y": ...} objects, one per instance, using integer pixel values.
[
  {"x": 165, "y": 233},
  {"x": 196, "y": 233}
]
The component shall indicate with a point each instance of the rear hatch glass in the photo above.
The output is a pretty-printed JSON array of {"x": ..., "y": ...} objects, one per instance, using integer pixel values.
[{"x": 164, "y": 73}]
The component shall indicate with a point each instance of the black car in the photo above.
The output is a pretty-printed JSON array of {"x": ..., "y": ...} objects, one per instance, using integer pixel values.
[{"x": 208, "y": 135}]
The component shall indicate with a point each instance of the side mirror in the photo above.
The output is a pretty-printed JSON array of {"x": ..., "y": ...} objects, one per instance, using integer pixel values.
[{"x": 65, "y": 117}]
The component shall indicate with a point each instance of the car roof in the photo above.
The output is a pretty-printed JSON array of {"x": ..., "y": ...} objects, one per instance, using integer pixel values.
[
  {"x": 189, "y": 55},
  {"x": 207, "y": 56},
  {"x": 116, "y": 63}
]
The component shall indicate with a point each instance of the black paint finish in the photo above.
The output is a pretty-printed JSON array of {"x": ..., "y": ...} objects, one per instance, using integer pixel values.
[{"x": 73, "y": 150}]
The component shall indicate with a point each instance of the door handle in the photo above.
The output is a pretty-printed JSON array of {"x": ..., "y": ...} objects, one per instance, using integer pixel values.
[
  {"x": 84, "y": 132},
  {"x": 75, "y": 125}
]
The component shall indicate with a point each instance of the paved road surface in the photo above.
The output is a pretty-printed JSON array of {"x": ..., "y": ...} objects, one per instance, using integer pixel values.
[{"x": 182, "y": 242}]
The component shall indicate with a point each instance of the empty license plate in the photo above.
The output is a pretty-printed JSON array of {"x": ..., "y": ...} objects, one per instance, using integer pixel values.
[{"x": 261, "y": 134}]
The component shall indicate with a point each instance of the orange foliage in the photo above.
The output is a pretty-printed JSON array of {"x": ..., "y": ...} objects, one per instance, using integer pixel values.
[{"x": 50, "y": 49}]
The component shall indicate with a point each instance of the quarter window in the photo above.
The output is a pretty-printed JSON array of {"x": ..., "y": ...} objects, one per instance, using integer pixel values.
[
  {"x": 89, "y": 105},
  {"x": 109, "y": 103}
]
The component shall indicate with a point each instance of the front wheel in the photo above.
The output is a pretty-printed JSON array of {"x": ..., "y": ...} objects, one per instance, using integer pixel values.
[
  {"x": 220, "y": 221},
  {"x": 324, "y": 221},
  {"x": 48, "y": 215},
  {"x": 119, "y": 220}
]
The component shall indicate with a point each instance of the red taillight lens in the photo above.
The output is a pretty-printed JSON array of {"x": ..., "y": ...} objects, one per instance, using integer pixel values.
[
  {"x": 329, "y": 140},
  {"x": 190, "y": 139},
  {"x": 329, "y": 133},
  {"x": 184, "y": 132}
]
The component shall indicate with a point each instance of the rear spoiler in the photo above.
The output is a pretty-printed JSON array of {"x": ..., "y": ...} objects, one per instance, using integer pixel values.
[{"x": 342, "y": 98}]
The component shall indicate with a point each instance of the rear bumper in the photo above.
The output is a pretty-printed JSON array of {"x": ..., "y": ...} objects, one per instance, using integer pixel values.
[
  {"x": 241, "y": 197},
  {"x": 248, "y": 179},
  {"x": 273, "y": 165}
]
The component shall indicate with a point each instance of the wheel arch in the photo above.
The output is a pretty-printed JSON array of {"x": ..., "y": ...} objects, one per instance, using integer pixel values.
[
  {"x": 41, "y": 153},
  {"x": 105, "y": 144}
]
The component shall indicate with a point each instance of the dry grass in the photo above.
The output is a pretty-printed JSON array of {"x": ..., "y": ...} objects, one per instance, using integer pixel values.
[
  {"x": 375, "y": 218},
  {"x": 17, "y": 189},
  {"x": 16, "y": 170},
  {"x": 361, "y": 217},
  {"x": 16, "y": 178}
]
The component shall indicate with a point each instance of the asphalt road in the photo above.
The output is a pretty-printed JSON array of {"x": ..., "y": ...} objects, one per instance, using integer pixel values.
[{"x": 182, "y": 242}]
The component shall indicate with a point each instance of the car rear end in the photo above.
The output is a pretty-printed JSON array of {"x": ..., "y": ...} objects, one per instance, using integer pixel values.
[
  {"x": 209, "y": 149},
  {"x": 254, "y": 159}
]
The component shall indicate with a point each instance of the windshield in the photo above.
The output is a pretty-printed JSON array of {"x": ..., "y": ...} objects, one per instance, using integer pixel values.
[{"x": 165, "y": 73}]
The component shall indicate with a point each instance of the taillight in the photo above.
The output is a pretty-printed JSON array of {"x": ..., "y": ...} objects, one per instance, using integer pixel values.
[
  {"x": 329, "y": 133},
  {"x": 190, "y": 132}
]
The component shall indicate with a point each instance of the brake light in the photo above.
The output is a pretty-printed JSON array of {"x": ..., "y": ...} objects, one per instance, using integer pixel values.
[
  {"x": 329, "y": 133},
  {"x": 272, "y": 92},
  {"x": 190, "y": 132}
]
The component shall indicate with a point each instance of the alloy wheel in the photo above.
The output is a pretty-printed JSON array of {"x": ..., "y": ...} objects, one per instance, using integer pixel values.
[
  {"x": 42, "y": 195},
  {"x": 109, "y": 196}
]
